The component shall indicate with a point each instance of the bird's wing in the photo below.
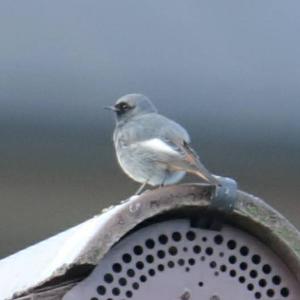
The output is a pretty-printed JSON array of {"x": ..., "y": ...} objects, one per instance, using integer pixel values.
[
  {"x": 151, "y": 127},
  {"x": 189, "y": 160},
  {"x": 165, "y": 142},
  {"x": 171, "y": 142}
]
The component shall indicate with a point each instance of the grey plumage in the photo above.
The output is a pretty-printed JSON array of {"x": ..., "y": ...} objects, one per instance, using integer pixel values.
[{"x": 151, "y": 148}]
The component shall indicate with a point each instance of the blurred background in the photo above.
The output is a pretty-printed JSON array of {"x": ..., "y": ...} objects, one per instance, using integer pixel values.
[{"x": 228, "y": 71}]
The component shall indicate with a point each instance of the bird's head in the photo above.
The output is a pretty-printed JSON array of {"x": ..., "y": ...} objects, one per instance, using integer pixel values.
[{"x": 132, "y": 105}]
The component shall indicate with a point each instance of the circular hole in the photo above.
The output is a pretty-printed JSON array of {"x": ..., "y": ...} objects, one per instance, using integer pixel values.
[
  {"x": 284, "y": 292},
  {"x": 126, "y": 258},
  {"x": 262, "y": 282},
  {"x": 223, "y": 268},
  {"x": 143, "y": 278},
  {"x": 232, "y": 273},
  {"x": 163, "y": 239},
  {"x": 257, "y": 295},
  {"x": 161, "y": 254},
  {"x": 213, "y": 264},
  {"x": 276, "y": 280},
  {"x": 115, "y": 291},
  {"x": 173, "y": 250},
  {"x": 204, "y": 239},
  {"x": 171, "y": 264},
  {"x": 221, "y": 254},
  {"x": 138, "y": 250},
  {"x": 231, "y": 244},
  {"x": 117, "y": 267},
  {"x": 181, "y": 262},
  {"x": 243, "y": 266},
  {"x": 250, "y": 287},
  {"x": 218, "y": 239},
  {"x": 216, "y": 273},
  {"x": 176, "y": 236},
  {"x": 270, "y": 293},
  {"x": 160, "y": 267},
  {"x": 200, "y": 283},
  {"x": 122, "y": 281},
  {"x": 130, "y": 272},
  {"x": 185, "y": 249},
  {"x": 108, "y": 278},
  {"x": 190, "y": 235},
  {"x": 150, "y": 244},
  {"x": 242, "y": 279},
  {"x": 256, "y": 259},
  {"x": 94, "y": 298},
  {"x": 244, "y": 250},
  {"x": 151, "y": 272},
  {"x": 253, "y": 273},
  {"x": 267, "y": 269},
  {"x": 149, "y": 258},
  {"x": 129, "y": 294},
  {"x": 135, "y": 286},
  {"x": 139, "y": 265},
  {"x": 202, "y": 258},
  {"x": 232, "y": 259},
  {"x": 101, "y": 290},
  {"x": 197, "y": 249},
  {"x": 187, "y": 269},
  {"x": 209, "y": 251}
]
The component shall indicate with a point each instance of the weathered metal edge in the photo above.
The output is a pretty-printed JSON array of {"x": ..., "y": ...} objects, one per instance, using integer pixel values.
[
  {"x": 55, "y": 293},
  {"x": 277, "y": 231},
  {"x": 261, "y": 220},
  {"x": 251, "y": 214}
]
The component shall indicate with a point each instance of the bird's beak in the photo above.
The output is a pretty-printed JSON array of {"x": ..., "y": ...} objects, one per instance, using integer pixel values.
[{"x": 113, "y": 108}]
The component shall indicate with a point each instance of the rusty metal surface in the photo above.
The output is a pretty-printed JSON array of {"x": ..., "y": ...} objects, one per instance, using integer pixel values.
[{"x": 251, "y": 214}]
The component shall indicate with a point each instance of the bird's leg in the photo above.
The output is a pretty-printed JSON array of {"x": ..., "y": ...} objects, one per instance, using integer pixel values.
[
  {"x": 139, "y": 191},
  {"x": 164, "y": 179}
]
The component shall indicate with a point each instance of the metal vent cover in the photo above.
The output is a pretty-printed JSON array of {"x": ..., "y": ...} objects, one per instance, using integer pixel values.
[{"x": 170, "y": 260}]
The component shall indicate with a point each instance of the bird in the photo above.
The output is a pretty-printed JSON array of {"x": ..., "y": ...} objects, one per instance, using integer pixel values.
[{"x": 151, "y": 148}]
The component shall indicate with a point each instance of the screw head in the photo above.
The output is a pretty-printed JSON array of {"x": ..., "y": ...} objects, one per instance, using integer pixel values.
[{"x": 186, "y": 295}]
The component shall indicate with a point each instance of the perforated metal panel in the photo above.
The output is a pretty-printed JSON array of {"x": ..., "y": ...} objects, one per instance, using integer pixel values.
[{"x": 171, "y": 260}]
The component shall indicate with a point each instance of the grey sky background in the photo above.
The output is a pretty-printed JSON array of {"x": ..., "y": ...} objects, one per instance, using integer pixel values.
[{"x": 229, "y": 71}]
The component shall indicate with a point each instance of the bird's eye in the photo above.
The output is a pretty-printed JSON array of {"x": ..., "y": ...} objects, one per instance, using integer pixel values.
[{"x": 123, "y": 107}]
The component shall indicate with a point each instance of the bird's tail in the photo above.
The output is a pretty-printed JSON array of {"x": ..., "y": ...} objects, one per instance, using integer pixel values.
[
  {"x": 196, "y": 168},
  {"x": 202, "y": 172},
  {"x": 191, "y": 163}
]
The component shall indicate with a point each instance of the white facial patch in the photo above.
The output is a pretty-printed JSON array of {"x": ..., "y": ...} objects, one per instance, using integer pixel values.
[{"x": 157, "y": 144}]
